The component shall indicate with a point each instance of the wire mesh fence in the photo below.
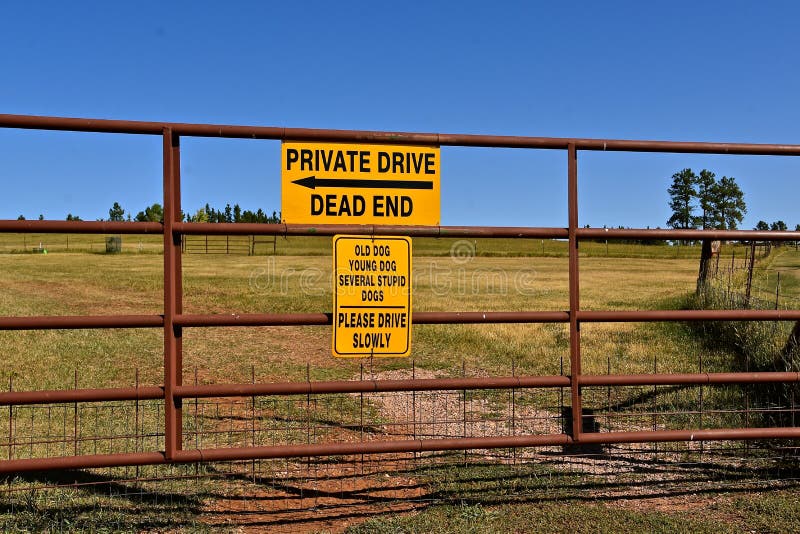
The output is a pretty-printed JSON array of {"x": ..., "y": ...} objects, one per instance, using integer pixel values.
[
  {"x": 208, "y": 423},
  {"x": 281, "y": 493}
]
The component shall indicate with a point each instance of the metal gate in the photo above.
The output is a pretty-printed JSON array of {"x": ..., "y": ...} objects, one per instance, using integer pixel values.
[{"x": 173, "y": 321}]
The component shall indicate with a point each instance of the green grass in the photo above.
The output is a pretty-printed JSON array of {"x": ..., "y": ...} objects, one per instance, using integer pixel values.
[
  {"x": 783, "y": 265},
  {"x": 104, "y": 503},
  {"x": 488, "y": 499},
  {"x": 755, "y": 346}
]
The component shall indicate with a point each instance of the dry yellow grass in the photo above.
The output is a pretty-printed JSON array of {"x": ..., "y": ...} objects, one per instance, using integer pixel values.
[{"x": 66, "y": 284}]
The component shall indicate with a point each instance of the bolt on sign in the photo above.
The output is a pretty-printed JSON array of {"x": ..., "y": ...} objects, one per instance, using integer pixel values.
[
  {"x": 371, "y": 296},
  {"x": 345, "y": 183}
]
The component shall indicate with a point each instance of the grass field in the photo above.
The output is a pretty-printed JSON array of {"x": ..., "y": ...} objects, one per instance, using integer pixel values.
[
  {"x": 65, "y": 284},
  {"x": 783, "y": 273},
  {"x": 453, "y": 275}
]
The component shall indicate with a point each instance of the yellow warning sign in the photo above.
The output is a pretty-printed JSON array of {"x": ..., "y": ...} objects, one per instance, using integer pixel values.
[
  {"x": 344, "y": 183},
  {"x": 371, "y": 296}
]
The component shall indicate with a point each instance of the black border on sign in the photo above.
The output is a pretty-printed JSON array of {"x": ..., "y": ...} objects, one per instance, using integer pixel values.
[{"x": 407, "y": 241}]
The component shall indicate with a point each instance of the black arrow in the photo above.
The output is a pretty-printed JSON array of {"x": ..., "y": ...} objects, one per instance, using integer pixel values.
[{"x": 312, "y": 182}]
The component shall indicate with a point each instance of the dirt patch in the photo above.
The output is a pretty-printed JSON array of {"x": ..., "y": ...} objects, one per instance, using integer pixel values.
[
  {"x": 331, "y": 494},
  {"x": 443, "y": 414},
  {"x": 306, "y": 500}
]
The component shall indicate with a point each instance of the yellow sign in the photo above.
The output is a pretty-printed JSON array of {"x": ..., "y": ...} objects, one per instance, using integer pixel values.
[
  {"x": 371, "y": 296},
  {"x": 342, "y": 183}
]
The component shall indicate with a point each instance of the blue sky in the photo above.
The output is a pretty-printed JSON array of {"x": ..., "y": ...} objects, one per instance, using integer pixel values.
[{"x": 704, "y": 71}]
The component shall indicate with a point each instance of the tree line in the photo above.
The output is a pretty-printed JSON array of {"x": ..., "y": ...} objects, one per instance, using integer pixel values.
[
  {"x": 777, "y": 226},
  {"x": 206, "y": 214},
  {"x": 702, "y": 201}
]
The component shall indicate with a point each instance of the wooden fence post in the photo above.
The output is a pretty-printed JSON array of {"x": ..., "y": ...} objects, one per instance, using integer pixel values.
[{"x": 709, "y": 250}]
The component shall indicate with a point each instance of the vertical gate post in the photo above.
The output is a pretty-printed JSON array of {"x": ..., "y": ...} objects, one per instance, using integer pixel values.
[
  {"x": 574, "y": 294},
  {"x": 172, "y": 295}
]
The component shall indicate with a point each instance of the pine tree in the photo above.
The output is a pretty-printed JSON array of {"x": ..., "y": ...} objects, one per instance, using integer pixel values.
[
  {"x": 682, "y": 192},
  {"x": 729, "y": 204},
  {"x": 705, "y": 196},
  {"x": 116, "y": 213}
]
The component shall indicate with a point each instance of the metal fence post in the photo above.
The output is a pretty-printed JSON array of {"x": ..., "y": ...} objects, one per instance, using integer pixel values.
[
  {"x": 574, "y": 293},
  {"x": 172, "y": 295}
]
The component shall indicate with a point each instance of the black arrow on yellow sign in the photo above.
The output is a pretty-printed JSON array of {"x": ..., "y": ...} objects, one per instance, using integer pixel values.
[{"x": 312, "y": 182}]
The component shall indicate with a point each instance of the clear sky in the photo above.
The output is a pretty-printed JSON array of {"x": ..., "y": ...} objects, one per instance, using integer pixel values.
[{"x": 705, "y": 71}]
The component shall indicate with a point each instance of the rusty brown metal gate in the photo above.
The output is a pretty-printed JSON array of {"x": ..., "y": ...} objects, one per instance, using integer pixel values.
[{"x": 173, "y": 321}]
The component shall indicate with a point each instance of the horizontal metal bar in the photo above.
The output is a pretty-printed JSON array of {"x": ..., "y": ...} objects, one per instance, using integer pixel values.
[
  {"x": 395, "y": 446},
  {"x": 687, "y": 147},
  {"x": 370, "y": 447},
  {"x": 110, "y": 227},
  {"x": 435, "y": 139},
  {"x": 678, "y": 379},
  {"x": 479, "y": 317},
  {"x": 636, "y": 316},
  {"x": 379, "y": 447},
  {"x": 81, "y": 462},
  {"x": 307, "y": 319},
  {"x": 58, "y": 322},
  {"x": 38, "y": 122},
  {"x": 253, "y": 319},
  {"x": 18, "y": 398},
  {"x": 686, "y": 235},
  {"x": 366, "y": 230},
  {"x": 717, "y": 434},
  {"x": 80, "y": 227},
  {"x": 370, "y": 386},
  {"x": 289, "y": 451},
  {"x": 444, "y": 384}
]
